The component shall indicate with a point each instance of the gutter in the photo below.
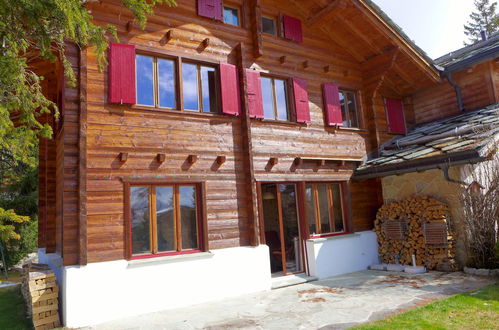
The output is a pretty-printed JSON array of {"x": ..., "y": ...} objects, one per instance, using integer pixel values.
[{"x": 419, "y": 165}]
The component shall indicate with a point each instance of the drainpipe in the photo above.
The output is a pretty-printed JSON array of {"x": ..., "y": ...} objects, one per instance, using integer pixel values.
[
  {"x": 445, "y": 170},
  {"x": 457, "y": 89}
]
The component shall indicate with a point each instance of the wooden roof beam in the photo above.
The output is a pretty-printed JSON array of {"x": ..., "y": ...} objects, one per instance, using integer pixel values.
[
  {"x": 386, "y": 29},
  {"x": 318, "y": 15}
]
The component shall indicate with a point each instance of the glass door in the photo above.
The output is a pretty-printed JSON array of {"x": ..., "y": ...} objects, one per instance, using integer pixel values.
[{"x": 282, "y": 229}]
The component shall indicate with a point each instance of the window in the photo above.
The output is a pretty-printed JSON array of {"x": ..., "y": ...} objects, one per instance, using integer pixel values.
[
  {"x": 157, "y": 83},
  {"x": 231, "y": 15},
  {"x": 165, "y": 219},
  {"x": 269, "y": 25},
  {"x": 199, "y": 87},
  {"x": 324, "y": 208},
  {"x": 275, "y": 98},
  {"x": 349, "y": 109}
]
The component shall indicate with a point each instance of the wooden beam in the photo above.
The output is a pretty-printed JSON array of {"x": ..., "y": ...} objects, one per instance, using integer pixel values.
[
  {"x": 381, "y": 25},
  {"x": 160, "y": 158},
  {"x": 191, "y": 159},
  {"x": 123, "y": 156},
  {"x": 221, "y": 159},
  {"x": 256, "y": 28},
  {"x": 273, "y": 161},
  {"x": 254, "y": 215},
  {"x": 320, "y": 13},
  {"x": 82, "y": 159}
]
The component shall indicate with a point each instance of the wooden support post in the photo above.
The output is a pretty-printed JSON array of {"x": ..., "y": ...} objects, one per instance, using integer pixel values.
[
  {"x": 206, "y": 43},
  {"x": 191, "y": 159},
  {"x": 256, "y": 28},
  {"x": 273, "y": 161},
  {"x": 123, "y": 156},
  {"x": 305, "y": 64},
  {"x": 221, "y": 160},
  {"x": 129, "y": 26},
  {"x": 327, "y": 68},
  {"x": 282, "y": 59},
  {"x": 160, "y": 158},
  {"x": 166, "y": 38}
]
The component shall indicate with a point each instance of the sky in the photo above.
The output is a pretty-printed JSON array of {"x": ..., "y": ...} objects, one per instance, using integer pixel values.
[{"x": 435, "y": 25}]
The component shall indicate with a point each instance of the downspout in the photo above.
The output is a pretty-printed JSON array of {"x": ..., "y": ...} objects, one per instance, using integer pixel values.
[
  {"x": 457, "y": 89},
  {"x": 445, "y": 170}
]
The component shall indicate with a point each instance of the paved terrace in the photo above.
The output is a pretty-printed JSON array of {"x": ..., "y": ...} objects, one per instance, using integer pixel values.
[{"x": 334, "y": 303}]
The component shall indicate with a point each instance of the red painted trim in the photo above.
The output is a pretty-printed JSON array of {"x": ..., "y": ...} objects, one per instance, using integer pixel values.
[{"x": 148, "y": 256}]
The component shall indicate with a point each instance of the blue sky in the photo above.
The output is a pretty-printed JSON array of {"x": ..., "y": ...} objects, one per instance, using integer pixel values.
[{"x": 435, "y": 25}]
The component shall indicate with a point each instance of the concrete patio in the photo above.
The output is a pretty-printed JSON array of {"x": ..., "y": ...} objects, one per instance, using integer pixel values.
[{"x": 334, "y": 303}]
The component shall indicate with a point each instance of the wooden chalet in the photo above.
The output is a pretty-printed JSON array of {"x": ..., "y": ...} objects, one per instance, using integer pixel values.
[{"x": 213, "y": 156}]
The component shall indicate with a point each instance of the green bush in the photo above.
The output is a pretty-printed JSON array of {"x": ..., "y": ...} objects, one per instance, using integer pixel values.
[{"x": 18, "y": 216}]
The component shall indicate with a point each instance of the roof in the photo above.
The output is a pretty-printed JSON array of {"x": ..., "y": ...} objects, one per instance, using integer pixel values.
[
  {"x": 470, "y": 55},
  {"x": 464, "y": 138},
  {"x": 399, "y": 31}
]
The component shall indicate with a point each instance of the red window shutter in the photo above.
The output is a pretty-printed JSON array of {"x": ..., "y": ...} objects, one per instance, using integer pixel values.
[
  {"x": 395, "y": 116},
  {"x": 121, "y": 78},
  {"x": 332, "y": 105},
  {"x": 302, "y": 107},
  {"x": 254, "y": 89},
  {"x": 211, "y": 9},
  {"x": 231, "y": 97},
  {"x": 292, "y": 28}
]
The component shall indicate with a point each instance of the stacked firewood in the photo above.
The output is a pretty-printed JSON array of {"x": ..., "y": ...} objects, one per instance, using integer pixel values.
[
  {"x": 41, "y": 293},
  {"x": 418, "y": 226}
]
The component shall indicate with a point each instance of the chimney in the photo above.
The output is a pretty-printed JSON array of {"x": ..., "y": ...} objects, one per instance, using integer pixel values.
[{"x": 484, "y": 35}]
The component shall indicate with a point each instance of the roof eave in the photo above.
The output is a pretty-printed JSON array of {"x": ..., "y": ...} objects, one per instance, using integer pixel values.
[
  {"x": 423, "y": 164},
  {"x": 482, "y": 57}
]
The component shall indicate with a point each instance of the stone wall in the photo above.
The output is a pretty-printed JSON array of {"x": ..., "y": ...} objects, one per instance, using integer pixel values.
[{"x": 431, "y": 183}]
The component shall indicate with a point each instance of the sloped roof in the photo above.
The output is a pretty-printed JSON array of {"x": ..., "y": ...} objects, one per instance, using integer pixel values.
[
  {"x": 399, "y": 31},
  {"x": 459, "y": 138},
  {"x": 472, "y": 54}
]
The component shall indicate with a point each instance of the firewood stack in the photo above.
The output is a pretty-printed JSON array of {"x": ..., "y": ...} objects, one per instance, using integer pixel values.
[
  {"x": 417, "y": 226},
  {"x": 41, "y": 293}
]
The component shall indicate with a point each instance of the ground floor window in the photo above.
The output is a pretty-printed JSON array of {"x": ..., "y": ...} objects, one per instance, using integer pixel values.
[
  {"x": 164, "y": 219},
  {"x": 324, "y": 208}
]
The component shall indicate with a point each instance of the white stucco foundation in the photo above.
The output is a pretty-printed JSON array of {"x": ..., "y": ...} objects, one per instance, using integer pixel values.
[
  {"x": 342, "y": 254},
  {"x": 100, "y": 292}
]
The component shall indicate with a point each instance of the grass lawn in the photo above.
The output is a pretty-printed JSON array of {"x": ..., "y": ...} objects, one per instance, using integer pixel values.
[
  {"x": 12, "y": 309},
  {"x": 473, "y": 310}
]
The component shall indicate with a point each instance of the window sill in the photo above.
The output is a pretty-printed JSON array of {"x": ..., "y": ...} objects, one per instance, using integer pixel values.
[
  {"x": 278, "y": 122},
  {"x": 352, "y": 129},
  {"x": 183, "y": 112},
  {"x": 331, "y": 238},
  {"x": 168, "y": 259}
]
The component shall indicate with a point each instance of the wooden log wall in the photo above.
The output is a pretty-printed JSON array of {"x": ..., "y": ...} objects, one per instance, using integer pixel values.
[
  {"x": 90, "y": 174},
  {"x": 479, "y": 86}
]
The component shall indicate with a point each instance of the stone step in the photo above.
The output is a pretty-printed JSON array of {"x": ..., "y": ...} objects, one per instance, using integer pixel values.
[{"x": 288, "y": 280}]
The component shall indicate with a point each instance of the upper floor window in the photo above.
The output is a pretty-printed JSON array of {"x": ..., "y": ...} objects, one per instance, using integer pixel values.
[
  {"x": 324, "y": 202},
  {"x": 349, "y": 111},
  {"x": 200, "y": 89},
  {"x": 269, "y": 25},
  {"x": 231, "y": 15},
  {"x": 165, "y": 219},
  {"x": 157, "y": 84},
  {"x": 275, "y": 98}
]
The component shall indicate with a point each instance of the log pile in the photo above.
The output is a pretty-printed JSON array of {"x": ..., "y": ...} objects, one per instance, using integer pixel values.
[
  {"x": 41, "y": 293},
  {"x": 419, "y": 226}
]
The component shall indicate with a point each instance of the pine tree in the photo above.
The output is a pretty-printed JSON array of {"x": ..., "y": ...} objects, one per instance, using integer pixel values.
[
  {"x": 31, "y": 29},
  {"x": 484, "y": 18}
]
